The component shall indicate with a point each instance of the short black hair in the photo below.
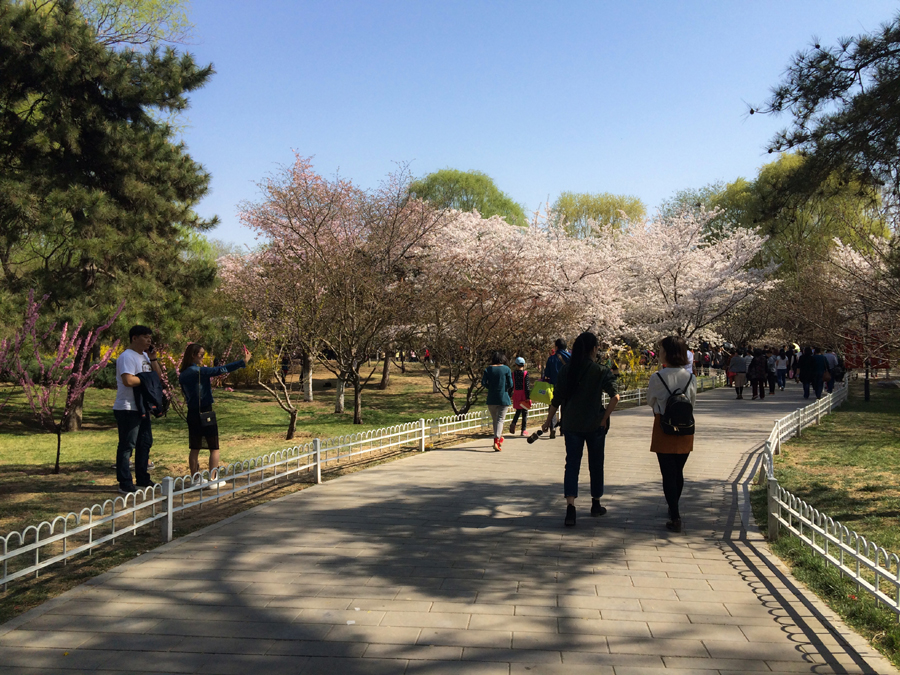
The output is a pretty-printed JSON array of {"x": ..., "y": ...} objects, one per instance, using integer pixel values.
[
  {"x": 561, "y": 344},
  {"x": 139, "y": 330}
]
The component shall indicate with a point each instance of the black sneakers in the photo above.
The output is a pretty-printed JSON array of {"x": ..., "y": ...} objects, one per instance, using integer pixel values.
[
  {"x": 570, "y": 515},
  {"x": 674, "y": 525},
  {"x": 596, "y": 509},
  {"x": 127, "y": 489}
]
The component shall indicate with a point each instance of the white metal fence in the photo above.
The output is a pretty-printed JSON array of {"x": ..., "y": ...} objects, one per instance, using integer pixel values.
[
  {"x": 871, "y": 567},
  {"x": 37, "y": 547}
]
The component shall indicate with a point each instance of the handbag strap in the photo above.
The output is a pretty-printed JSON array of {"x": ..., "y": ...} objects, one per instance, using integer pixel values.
[{"x": 199, "y": 392}]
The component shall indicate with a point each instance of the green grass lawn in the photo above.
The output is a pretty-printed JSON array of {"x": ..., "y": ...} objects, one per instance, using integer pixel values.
[
  {"x": 849, "y": 468},
  {"x": 250, "y": 424}
]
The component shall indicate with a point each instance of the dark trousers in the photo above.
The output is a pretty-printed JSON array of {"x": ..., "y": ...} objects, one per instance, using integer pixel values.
[
  {"x": 672, "y": 469},
  {"x": 759, "y": 388},
  {"x": 134, "y": 435},
  {"x": 806, "y": 389},
  {"x": 575, "y": 442},
  {"x": 818, "y": 384},
  {"x": 772, "y": 383},
  {"x": 524, "y": 413}
]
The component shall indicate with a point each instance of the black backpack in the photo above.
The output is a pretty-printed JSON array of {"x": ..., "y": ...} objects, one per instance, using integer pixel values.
[{"x": 678, "y": 418}]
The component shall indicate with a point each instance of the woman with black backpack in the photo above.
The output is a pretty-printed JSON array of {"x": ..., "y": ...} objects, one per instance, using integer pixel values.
[{"x": 671, "y": 390}]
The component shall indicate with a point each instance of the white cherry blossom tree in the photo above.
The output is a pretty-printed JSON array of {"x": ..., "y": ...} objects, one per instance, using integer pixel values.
[{"x": 679, "y": 281}]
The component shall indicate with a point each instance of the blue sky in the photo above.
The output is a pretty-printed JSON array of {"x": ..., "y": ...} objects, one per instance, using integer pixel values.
[{"x": 641, "y": 98}]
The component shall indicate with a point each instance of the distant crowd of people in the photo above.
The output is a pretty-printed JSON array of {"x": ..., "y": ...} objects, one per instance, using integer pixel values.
[{"x": 815, "y": 368}]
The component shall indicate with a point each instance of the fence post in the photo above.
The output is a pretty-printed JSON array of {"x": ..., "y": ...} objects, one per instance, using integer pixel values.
[
  {"x": 317, "y": 448},
  {"x": 772, "y": 507},
  {"x": 422, "y": 435},
  {"x": 165, "y": 525}
]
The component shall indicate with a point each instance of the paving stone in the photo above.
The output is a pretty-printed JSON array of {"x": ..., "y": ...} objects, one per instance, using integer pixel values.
[
  {"x": 617, "y": 660},
  {"x": 771, "y": 651},
  {"x": 466, "y": 638},
  {"x": 426, "y": 619},
  {"x": 510, "y": 655},
  {"x": 318, "y": 648},
  {"x": 473, "y": 608},
  {"x": 539, "y": 624},
  {"x": 240, "y": 664},
  {"x": 304, "y": 602},
  {"x": 560, "y": 642},
  {"x": 558, "y": 669},
  {"x": 699, "y": 665},
  {"x": 620, "y": 644},
  {"x": 73, "y": 659},
  {"x": 50, "y": 638},
  {"x": 574, "y": 612},
  {"x": 414, "y": 652},
  {"x": 375, "y": 605},
  {"x": 691, "y": 631},
  {"x": 380, "y": 634},
  {"x": 335, "y": 616},
  {"x": 326, "y": 665},
  {"x": 455, "y": 668}
]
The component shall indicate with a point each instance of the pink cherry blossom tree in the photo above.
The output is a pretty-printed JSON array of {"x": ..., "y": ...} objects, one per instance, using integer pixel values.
[
  {"x": 342, "y": 260},
  {"x": 62, "y": 377},
  {"x": 487, "y": 285}
]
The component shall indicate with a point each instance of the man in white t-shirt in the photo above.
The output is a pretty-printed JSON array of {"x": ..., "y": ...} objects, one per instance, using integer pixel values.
[{"x": 135, "y": 434}]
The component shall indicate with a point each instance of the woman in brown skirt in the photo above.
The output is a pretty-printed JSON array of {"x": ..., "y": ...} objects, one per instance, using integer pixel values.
[{"x": 671, "y": 451}]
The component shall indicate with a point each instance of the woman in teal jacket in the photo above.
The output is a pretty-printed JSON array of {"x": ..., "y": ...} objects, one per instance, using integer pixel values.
[
  {"x": 194, "y": 379},
  {"x": 497, "y": 379}
]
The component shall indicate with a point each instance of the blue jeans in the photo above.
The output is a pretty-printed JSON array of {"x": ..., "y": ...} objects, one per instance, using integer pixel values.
[
  {"x": 134, "y": 434},
  {"x": 575, "y": 442},
  {"x": 781, "y": 375},
  {"x": 806, "y": 389}
]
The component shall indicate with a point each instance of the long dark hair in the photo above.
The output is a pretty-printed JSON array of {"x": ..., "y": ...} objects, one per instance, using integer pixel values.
[
  {"x": 190, "y": 353},
  {"x": 581, "y": 357},
  {"x": 498, "y": 358}
]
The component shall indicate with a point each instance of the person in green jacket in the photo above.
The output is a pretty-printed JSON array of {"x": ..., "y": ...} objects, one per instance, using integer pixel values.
[
  {"x": 580, "y": 388},
  {"x": 497, "y": 379}
]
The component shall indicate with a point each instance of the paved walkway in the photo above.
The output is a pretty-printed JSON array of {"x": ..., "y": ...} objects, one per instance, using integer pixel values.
[{"x": 456, "y": 561}]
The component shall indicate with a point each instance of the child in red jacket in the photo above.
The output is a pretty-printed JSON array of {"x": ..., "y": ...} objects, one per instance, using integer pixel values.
[{"x": 520, "y": 396}]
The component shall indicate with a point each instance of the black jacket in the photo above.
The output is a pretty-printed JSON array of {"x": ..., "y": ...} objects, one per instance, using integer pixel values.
[{"x": 148, "y": 395}]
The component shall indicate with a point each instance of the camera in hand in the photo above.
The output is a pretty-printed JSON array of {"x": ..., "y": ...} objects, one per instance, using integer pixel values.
[{"x": 536, "y": 435}]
